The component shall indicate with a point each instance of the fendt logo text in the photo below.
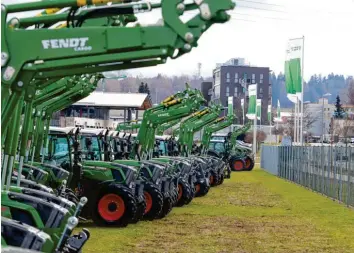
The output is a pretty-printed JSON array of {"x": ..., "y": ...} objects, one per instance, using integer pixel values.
[{"x": 78, "y": 44}]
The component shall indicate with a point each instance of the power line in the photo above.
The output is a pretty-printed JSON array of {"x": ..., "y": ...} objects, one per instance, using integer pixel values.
[
  {"x": 262, "y": 9},
  {"x": 255, "y": 2},
  {"x": 247, "y": 20},
  {"x": 257, "y": 16}
]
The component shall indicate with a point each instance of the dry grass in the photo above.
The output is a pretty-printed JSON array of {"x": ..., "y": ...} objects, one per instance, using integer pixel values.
[{"x": 252, "y": 212}]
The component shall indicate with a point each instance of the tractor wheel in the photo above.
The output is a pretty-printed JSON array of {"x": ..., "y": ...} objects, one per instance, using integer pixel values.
[
  {"x": 115, "y": 206},
  {"x": 201, "y": 189},
  {"x": 191, "y": 195},
  {"x": 213, "y": 179},
  {"x": 249, "y": 163},
  {"x": 175, "y": 196},
  {"x": 237, "y": 164},
  {"x": 184, "y": 192},
  {"x": 141, "y": 206},
  {"x": 167, "y": 207},
  {"x": 154, "y": 201},
  {"x": 221, "y": 178}
]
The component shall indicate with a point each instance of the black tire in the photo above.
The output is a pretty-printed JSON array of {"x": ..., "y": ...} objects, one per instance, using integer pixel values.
[
  {"x": 249, "y": 163},
  {"x": 184, "y": 192},
  {"x": 221, "y": 178},
  {"x": 191, "y": 195},
  {"x": 213, "y": 178},
  {"x": 203, "y": 189},
  {"x": 167, "y": 207},
  {"x": 237, "y": 164},
  {"x": 156, "y": 201},
  {"x": 174, "y": 194},
  {"x": 106, "y": 211},
  {"x": 141, "y": 206}
]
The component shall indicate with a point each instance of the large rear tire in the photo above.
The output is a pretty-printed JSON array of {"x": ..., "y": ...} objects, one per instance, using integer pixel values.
[
  {"x": 167, "y": 207},
  {"x": 141, "y": 206},
  {"x": 154, "y": 201},
  {"x": 115, "y": 206}
]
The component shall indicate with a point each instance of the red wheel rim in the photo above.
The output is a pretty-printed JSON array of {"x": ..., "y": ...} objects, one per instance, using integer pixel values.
[
  {"x": 211, "y": 179},
  {"x": 111, "y": 207},
  {"x": 248, "y": 163},
  {"x": 238, "y": 165},
  {"x": 180, "y": 191},
  {"x": 148, "y": 199},
  {"x": 197, "y": 188}
]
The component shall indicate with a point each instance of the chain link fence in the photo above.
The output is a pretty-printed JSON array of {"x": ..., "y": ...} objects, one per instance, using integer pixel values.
[{"x": 326, "y": 169}]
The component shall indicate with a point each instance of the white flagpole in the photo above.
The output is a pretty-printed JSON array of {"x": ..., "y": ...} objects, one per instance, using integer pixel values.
[
  {"x": 302, "y": 91},
  {"x": 295, "y": 122}
]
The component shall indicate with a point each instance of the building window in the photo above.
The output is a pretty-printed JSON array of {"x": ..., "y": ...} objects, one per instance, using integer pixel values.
[
  {"x": 236, "y": 77},
  {"x": 227, "y": 91},
  {"x": 235, "y": 92},
  {"x": 260, "y": 90},
  {"x": 253, "y": 78},
  {"x": 261, "y": 78},
  {"x": 228, "y": 77}
]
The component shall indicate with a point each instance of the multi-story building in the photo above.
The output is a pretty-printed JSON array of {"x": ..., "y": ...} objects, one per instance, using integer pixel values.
[
  {"x": 320, "y": 114},
  {"x": 233, "y": 78}
]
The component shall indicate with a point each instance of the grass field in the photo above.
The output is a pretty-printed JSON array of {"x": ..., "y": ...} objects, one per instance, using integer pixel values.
[{"x": 252, "y": 212}]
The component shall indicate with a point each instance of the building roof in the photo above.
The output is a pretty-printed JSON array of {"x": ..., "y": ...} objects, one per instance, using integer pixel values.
[{"x": 117, "y": 100}]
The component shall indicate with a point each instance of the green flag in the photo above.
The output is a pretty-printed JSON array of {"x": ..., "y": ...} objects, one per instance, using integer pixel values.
[
  {"x": 230, "y": 106},
  {"x": 293, "y": 72},
  {"x": 252, "y": 93},
  {"x": 269, "y": 113},
  {"x": 259, "y": 109}
]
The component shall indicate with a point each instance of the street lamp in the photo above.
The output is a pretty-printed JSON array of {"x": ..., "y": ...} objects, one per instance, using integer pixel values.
[{"x": 324, "y": 95}]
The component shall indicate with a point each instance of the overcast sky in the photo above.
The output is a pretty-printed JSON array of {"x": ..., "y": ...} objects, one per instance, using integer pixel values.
[{"x": 259, "y": 30}]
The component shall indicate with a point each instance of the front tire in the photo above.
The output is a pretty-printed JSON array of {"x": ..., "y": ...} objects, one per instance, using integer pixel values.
[
  {"x": 184, "y": 192},
  {"x": 154, "y": 201},
  {"x": 249, "y": 163},
  {"x": 202, "y": 189},
  {"x": 115, "y": 206},
  {"x": 237, "y": 164}
]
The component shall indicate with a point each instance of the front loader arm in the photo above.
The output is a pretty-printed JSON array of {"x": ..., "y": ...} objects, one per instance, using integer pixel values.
[
  {"x": 215, "y": 126},
  {"x": 174, "y": 107}
]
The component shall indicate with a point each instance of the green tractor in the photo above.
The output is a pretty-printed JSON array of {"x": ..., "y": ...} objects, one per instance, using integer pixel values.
[
  {"x": 32, "y": 79},
  {"x": 237, "y": 154}
]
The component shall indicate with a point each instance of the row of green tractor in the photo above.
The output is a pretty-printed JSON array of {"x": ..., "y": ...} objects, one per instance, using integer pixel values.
[{"x": 53, "y": 177}]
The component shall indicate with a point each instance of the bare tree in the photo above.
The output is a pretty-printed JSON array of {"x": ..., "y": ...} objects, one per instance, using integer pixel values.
[
  {"x": 344, "y": 127},
  {"x": 308, "y": 120}
]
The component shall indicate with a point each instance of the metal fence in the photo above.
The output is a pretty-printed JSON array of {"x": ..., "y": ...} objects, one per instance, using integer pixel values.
[{"x": 326, "y": 169}]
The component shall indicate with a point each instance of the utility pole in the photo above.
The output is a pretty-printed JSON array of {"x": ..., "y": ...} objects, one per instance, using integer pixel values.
[{"x": 199, "y": 70}]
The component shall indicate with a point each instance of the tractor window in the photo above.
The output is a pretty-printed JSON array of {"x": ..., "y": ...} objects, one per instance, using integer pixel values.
[
  {"x": 58, "y": 149},
  {"x": 219, "y": 147},
  {"x": 162, "y": 148},
  {"x": 90, "y": 147}
]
